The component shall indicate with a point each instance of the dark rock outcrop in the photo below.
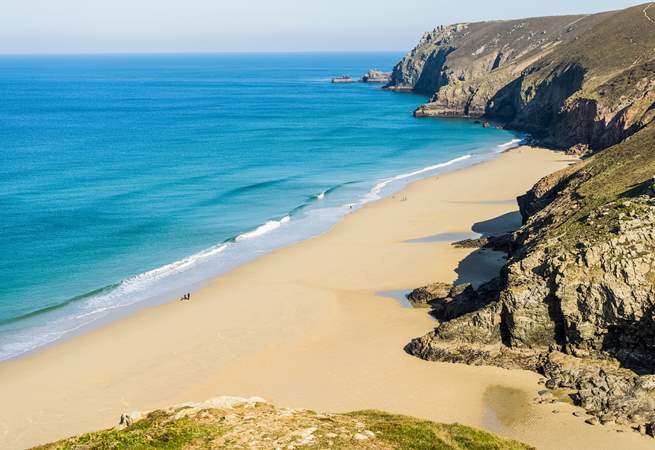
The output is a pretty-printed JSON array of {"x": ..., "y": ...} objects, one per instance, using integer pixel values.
[
  {"x": 568, "y": 80},
  {"x": 576, "y": 299},
  {"x": 427, "y": 294},
  {"x": 502, "y": 243},
  {"x": 451, "y": 301}
]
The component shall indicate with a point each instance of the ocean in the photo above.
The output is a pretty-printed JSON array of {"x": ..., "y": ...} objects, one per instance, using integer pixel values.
[{"x": 128, "y": 180}]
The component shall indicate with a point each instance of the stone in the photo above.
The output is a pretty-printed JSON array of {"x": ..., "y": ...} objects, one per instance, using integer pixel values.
[
  {"x": 579, "y": 150},
  {"x": 376, "y": 76},
  {"x": 429, "y": 293},
  {"x": 128, "y": 419}
]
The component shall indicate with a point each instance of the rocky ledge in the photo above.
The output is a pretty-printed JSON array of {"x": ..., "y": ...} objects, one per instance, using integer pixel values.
[
  {"x": 576, "y": 299},
  {"x": 238, "y": 423}
]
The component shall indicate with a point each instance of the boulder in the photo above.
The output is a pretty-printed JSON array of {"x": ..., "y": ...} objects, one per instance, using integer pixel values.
[{"x": 426, "y": 294}]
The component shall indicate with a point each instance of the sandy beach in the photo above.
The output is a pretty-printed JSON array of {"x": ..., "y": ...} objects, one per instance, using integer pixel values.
[{"x": 307, "y": 326}]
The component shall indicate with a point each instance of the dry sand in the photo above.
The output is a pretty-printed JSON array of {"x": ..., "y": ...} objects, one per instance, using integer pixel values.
[{"x": 305, "y": 327}]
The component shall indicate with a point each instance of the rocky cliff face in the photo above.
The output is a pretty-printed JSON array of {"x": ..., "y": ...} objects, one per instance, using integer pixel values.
[
  {"x": 567, "y": 80},
  {"x": 576, "y": 300}
]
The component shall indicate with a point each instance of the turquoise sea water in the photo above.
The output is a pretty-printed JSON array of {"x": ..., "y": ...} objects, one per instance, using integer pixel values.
[{"x": 129, "y": 180}]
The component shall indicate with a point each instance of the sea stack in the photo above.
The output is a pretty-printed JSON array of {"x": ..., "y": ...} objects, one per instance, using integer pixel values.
[{"x": 376, "y": 76}]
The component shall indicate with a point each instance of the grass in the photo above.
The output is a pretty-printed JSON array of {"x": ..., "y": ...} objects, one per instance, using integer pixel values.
[
  {"x": 156, "y": 431},
  {"x": 597, "y": 193},
  {"x": 404, "y": 432},
  {"x": 266, "y": 427}
]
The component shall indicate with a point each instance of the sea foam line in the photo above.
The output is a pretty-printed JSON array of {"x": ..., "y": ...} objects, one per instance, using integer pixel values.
[
  {"x": 507, "y": 145},
  {"x": 378, "y": 187},
  {"x": 263, "y": 229},
  {"x": 138, "y": 284}
]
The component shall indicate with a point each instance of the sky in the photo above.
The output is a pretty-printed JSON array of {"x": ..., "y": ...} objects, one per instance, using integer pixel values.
[{"x": 110, "y": 26}]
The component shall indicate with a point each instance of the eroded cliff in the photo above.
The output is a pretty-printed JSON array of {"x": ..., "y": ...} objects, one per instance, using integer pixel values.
[
  {"x": 568, "y": 80},
  {"x": 576, "y": 299}
]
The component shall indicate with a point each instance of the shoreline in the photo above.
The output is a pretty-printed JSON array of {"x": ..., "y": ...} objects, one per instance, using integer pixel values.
[
  {"x": 305, "y": 326},
  {"x": 200, "y": 276}
]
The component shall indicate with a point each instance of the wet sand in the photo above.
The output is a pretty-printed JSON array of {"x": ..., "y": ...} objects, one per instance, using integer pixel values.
[{"x": 306, "y": 327}]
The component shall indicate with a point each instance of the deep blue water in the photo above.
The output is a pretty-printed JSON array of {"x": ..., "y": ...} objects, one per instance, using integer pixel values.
[{"x": 130, "y": 179}]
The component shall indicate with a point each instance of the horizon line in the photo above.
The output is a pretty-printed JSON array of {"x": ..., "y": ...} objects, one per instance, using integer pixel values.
[{"x": 192, "y": 52}]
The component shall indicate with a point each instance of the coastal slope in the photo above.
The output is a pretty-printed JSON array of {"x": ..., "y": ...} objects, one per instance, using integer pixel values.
[
  {"x": 237, "y": 423},
  {"x": 581, "y": 82},
  {"x": 576, "y": 300}
]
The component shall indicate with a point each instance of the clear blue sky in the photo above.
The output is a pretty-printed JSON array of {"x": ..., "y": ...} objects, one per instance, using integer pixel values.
[{"x": 72, "y": 26}]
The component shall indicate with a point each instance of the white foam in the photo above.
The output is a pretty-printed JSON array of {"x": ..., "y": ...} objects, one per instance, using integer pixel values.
[
  {"x": 381, "y": 185},
  {"x": 142, "y": 281},
  {"x": 173, "y": 267},
  {"x": 507, "y": 145},
  {"x": 148, "y": 284},
  {"x": 263, "y": 229}
]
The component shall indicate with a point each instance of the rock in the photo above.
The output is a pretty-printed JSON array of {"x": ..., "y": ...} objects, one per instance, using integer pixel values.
[
  {"x": 376, "y": 76},
  {"x": 343, "y": 79},
  {"x": 532, "y": 74},
  {"x": 226, "y": 402},
  {"x": 429, "y": 293},
  {"x": 650, "y": 429},
  {"x": 577, "y": 413},
  {"x": 472, "y": 243},
  {"x": 128, "y": 419},
  {"x": 579, "y": 150},
  {"x": 591, "y": 421},
  {"x": 575, "y": 302},
  {"x": 306, "y": 435},
  {"x": 500, "y": 243},
  {"x": 360, "y": 437}
]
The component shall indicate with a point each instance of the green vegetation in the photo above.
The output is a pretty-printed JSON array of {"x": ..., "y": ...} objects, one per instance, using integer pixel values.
[
  {"x": 157, "y": 430},
  {"x": 265, "y": 427},
  {"x": 403, "y": 432},
  {"x": 610, "y": 186}
]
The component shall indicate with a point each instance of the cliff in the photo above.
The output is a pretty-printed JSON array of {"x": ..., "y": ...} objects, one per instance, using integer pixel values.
[
  {"x": 568, "y": 80},
  {"x": 576, "y": 299},
  {"x": 231, "y": 423}
]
